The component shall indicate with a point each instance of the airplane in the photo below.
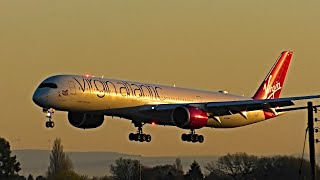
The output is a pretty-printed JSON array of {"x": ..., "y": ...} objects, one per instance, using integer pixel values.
[{"x": 88, "y": 99}]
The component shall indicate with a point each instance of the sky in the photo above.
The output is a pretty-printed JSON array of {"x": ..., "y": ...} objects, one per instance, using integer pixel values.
[{"x": 207, "y": 44}]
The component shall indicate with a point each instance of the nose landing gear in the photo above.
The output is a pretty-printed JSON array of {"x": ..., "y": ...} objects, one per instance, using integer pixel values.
[
  {"x": 192, "y": 137},
  {"x": 139, "y": 136},
  {"x": 49, "y": 113}
]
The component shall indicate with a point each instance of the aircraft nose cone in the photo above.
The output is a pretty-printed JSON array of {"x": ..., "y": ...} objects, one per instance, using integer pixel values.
[{"x": 40, "y": 98}]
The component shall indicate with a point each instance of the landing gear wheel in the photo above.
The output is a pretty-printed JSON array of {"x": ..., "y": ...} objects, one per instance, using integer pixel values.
[
  {"x": 192, "y": 137},
  {"x": 201, "y": 139},
  {"x": 189, "y": 137},
  {"x": 145, "y": 137},
  {"x": 184, "y": 137},
  {"x": 148, "y": 138},
  {"x": 136, "y": 137},
  {"x": 49, "y": 124},
  {"x": 131, "y": 136},
  {"x": 49, "y": 113},
  {"x": 139, "y": 136}
]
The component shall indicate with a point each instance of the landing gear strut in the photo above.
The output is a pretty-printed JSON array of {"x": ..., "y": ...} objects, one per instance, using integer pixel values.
[
  {"x": 192, "y": 137},
  {"x": 49, "y": 112},
  {"x": 139, "y": 136}
]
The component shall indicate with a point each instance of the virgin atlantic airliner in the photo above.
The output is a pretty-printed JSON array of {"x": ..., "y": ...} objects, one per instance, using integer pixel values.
[{"x": 89, "y": 99}]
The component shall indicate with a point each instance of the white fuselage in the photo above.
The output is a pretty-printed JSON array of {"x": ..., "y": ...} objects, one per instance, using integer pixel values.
[{"x": 124, "y": 98}]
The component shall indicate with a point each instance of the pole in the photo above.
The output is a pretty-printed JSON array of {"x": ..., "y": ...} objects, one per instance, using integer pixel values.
[
  {"x": 311, "y": 141},
  {"x": 140, "y": 170}
]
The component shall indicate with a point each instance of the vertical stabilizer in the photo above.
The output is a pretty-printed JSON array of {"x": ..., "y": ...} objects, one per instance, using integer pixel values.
[{"x": 272, "y": 85}]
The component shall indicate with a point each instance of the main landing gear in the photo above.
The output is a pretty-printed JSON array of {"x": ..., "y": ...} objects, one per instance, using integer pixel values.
[
  {"x": 192, "y": 137},
  {"x": 49, "y": 112},
  {"x": 139, "y": 136}
]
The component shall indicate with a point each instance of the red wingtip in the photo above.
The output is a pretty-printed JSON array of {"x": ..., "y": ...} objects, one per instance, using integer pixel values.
[{"x": 272, "y": 85}]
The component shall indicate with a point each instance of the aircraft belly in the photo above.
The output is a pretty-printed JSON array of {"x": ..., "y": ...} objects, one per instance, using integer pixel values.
[{"x": 236, "y": 120}]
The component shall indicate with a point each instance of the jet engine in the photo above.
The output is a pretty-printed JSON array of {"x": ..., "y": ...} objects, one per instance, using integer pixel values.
[
  {"x": 188, "y": 117},
  {"x": 85, "y": 120}
]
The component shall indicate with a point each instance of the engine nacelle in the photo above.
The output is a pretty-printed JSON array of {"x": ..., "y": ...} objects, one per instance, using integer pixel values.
[
  {"x": 85, "y": 120},
  {"x": 189, "y": 117}
]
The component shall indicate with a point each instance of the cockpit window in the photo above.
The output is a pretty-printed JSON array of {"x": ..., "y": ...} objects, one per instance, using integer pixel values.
[{"x": 49, "y": 85}]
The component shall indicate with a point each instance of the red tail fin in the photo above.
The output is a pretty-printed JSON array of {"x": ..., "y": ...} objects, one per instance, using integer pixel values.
[{"x": 272, "y": 85}]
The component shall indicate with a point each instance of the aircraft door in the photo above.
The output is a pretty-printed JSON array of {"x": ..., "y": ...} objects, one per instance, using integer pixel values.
[{"x": 72, "y": 88}]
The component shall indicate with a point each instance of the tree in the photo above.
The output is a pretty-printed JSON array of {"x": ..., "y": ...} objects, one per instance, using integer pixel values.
[
  {"x": 101, "y": 178},
  {"x": 9, "y": 166},
  {"x": 195, "y": 172},
  {"x": 162, "y": 172},
  {"x": 237, "y": 166},
  {"x": 68, "y": 175},
  {"x": 60, "y": 163},
  {"x": 282, "y": 167},
  {"x": 30, "y": 177},
  {"x": 242, "y": 166},
  {"x": 126, "y": 169},
  {"x": 214, "y": 175},
  {"x": 40, "y": 178},
  {"x": 179, "y": 166}
]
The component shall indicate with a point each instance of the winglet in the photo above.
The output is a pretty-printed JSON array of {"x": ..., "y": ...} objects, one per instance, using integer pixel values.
[{"x": 272, "y": 85}]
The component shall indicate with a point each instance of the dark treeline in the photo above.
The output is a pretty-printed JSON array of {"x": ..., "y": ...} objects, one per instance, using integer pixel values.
[{"x": 229, "y": 167}]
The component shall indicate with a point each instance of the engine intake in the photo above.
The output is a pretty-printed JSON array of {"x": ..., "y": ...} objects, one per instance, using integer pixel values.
[
  {"x": 85, "y": 120},
  {"x": 189, "y": 117}
]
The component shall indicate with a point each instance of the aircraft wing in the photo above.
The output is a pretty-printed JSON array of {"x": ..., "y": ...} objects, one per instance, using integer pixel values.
[{"x": 232, "y": 107}]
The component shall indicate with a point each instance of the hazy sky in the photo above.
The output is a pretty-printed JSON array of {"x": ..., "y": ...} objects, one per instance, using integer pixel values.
[{"x": 206, "y": 44}]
